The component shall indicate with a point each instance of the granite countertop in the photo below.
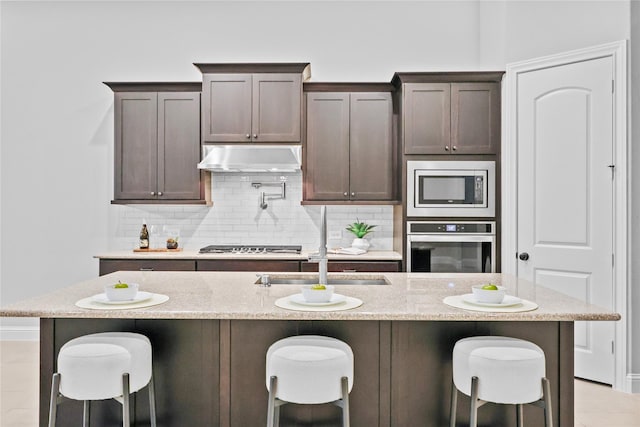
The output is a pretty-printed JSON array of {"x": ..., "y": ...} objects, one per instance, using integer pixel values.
[
  {"x": 193, "y": 254},
  {"x": 233, "y": 295}
]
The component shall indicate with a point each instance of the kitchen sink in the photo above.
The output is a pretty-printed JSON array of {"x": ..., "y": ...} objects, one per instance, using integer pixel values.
[{"x": 275, "y": 280}]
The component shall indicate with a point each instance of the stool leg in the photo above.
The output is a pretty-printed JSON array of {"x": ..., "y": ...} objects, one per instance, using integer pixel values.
[
  {"x": 454, "y": 405},
  {"x": 86, "y": 413},
  {"x": 273, "y": 383},
  {"x": 53, "y": 402},
  {"x": 125, "y": 401},
  {"x": 152, "y": 402},
  {"x": 546, "y": 396},
  {"x": 473, "y": 417},
  {"x": 519, "y": 415},
  {"x": 345, "y": 402}
]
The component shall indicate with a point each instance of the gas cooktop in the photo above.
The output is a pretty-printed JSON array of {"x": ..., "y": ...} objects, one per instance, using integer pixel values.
[{"x": 250, "y": 249}]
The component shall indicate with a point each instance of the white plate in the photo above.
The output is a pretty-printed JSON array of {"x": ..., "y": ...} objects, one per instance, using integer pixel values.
[
  {"x": 335, "y": 299},
  {"x": 508, "y": 301},
  {"x": 140, "y": 296}
]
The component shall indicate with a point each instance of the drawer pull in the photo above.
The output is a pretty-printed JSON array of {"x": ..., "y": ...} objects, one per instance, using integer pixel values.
[
  {"x": 350, "y": 271},
  {"x": 146, "y": 268}
]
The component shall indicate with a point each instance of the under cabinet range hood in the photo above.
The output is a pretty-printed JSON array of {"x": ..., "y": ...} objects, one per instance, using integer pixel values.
[{"x": 251, "y": 158}]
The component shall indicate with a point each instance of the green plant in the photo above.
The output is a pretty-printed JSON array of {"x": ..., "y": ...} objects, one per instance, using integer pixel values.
[{"x": 360, "y": 229}]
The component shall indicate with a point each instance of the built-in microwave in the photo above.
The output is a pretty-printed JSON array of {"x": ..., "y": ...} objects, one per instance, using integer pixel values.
[{"x": 451, "y": 188}]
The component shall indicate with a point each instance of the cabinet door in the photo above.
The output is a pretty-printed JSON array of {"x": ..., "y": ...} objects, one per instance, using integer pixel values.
[
  {"x": 247, "y": 265},
  {"x": 178, "y": 145},
  {"x": 327, "y": 146},
  {"x": 475, "y": 118},
  {"x": 136, "y": 148},
  {"x": 110, "y": 265},
  {"x": 226, "y": 107},
  {"x": 277, "y": 106},
  {"x": 371, "y": 151},
  {"x": 427, "y": 118}
]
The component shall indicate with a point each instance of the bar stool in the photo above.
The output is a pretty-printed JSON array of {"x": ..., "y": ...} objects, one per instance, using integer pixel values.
[
  {"x": 308, "y": 369},
  {"x": 500, "y": 370},
  {"x": 109, "y": 365}
]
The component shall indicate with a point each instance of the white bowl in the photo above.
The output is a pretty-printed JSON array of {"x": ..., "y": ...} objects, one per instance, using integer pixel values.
[
  {"x": 121, "y": 294},
  {"x": 317, "y": 295},
  {"x": 487, "y": 295}
]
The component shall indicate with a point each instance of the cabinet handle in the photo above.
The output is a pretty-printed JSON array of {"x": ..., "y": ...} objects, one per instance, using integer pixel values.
[
  {"x": 248, "y": 136},
  {"x": 159, "y": 193},
  {"x": 454, "y": 148},
  {"x": 353, "y": 194},
  {"x": 146, "y": 268},
  {"x": 153, "y": 193},
  {"x": 446, "y": 148},
  {"x": 345, "y": 194},
  {"x": 255, "y": 136}
]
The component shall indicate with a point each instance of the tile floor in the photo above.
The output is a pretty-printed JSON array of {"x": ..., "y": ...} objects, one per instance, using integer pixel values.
[{"x": 596, "y": 405}]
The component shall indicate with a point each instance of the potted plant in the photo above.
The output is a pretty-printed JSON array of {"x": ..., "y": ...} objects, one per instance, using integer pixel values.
[{"x": 360, "y": 229}]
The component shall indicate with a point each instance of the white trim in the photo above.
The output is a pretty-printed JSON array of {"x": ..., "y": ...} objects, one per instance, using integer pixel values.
[
  {"x": 633, "y": 383},
  {"x": 618, "y": 52},
  {"x": 20, "y": 333}
]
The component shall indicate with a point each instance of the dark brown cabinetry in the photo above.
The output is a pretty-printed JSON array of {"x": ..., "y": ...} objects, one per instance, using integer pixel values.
[
  {"x": 350, "y": 150},
  {"x": 354, "y": 266},
  {"x": 110, "y": 265},
  {"x": 252, "y": 102},
  {"x": 262, "y": 265},
  {"x": 450, "y": 113},
  {"x": 157, "y": 143},
  {"x": 247, "y": 265}
]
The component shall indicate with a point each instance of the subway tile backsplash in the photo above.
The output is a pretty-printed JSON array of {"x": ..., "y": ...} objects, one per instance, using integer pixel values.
[{"x": 236, "y": 218}]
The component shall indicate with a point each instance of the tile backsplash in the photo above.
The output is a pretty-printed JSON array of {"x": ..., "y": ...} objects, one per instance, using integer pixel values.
[{"x": 237, "y": 218}]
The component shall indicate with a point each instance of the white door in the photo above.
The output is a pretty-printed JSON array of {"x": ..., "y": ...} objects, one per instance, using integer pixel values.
[{"x": 565, "y": 195}]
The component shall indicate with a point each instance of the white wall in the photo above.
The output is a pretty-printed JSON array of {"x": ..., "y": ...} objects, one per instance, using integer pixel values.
[{"x": 57, "y": 118}]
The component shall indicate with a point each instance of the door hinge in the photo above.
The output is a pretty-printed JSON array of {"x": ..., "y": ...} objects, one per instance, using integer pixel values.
[
  {"x": 613, "y": 347},
  {"x": 613, "y": 86},
  {"x": 613, "y": 170},
  {"x": 613, "y": 260}
]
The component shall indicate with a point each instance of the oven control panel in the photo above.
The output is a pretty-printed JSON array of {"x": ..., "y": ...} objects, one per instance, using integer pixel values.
[{"x": 421, "y": 227}]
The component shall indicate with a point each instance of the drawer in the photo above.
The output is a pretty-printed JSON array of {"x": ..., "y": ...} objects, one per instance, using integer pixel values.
[{"x": 110, "y": 265}]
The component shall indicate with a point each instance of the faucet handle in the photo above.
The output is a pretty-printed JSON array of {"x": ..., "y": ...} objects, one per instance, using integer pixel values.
[{"x": 265, "y": 280}]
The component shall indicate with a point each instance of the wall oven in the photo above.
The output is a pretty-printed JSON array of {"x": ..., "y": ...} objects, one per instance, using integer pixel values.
[
  {"x": 451, "y": 188},
  {"x": 451, "y": 247}
]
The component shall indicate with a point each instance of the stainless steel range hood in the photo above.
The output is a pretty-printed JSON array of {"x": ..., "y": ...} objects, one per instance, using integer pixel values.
[{"x": 251, "y": 158}]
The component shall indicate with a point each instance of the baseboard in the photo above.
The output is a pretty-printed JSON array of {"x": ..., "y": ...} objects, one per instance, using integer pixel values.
[
  {"x": 19, "y": 332},
  {"x": 633, "y": 383}
]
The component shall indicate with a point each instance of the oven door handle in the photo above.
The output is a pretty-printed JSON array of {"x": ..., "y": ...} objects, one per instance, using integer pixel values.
[{"x": 450, "y": 238}]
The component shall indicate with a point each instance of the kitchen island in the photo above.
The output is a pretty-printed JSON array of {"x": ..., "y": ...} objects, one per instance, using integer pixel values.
[{"x": 210, "y": 340}]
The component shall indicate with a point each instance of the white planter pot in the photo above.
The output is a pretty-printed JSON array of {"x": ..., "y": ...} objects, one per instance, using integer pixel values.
[{"x": 360, "y": 244}]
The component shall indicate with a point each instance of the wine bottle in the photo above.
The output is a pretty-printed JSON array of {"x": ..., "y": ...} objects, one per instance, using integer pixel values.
[{"x": 144, "y": 237}]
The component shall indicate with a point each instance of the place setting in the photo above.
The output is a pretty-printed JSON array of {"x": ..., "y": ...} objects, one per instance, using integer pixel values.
[
  {"x": 318, "y": 298},
  {"x": 490, "y": 298},
  {"x": 120, "y": 296}
]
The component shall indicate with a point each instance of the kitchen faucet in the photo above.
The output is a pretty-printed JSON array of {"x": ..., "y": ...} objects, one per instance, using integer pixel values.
[{"x": 321, "y": 256}]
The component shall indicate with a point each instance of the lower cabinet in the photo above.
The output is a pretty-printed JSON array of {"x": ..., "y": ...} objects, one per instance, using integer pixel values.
[
  {"x": 354, "y": 267},
  {"x": 247, "y": 265},
  {"x": 110, "y": 265}
]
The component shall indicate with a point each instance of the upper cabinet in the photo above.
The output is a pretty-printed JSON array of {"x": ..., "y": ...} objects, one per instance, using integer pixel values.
[
  {"x": 350, "y": 153},
  {"x": 252, "y": 102},
  {"x": 157, "y": 143},
  {"x": 450, "y": 113}
]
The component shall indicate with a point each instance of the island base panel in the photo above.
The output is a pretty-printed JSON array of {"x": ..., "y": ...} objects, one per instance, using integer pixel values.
[{"x": 212, "y": 372}]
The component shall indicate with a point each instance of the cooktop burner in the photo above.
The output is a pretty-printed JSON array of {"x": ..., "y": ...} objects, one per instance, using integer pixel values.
[{"x": 250, "y": 249}]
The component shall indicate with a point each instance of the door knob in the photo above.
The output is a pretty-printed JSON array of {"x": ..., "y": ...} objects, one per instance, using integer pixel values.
[
  {"x": 248, "y": 136},
  {"x": 153, "y": 193},
  {"x": 446, "y": 148},
  {"x": 159, "y": 193},
  {"x": 345, "y": 194},
  {"x": 523, "y": 256},
  {"x": 255, "y": 136},
  {"x": 454, "y": 148}
]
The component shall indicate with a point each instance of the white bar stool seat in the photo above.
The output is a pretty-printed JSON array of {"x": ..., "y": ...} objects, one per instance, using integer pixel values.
[
  {"x": 308, "y": 369},
  {"x": 500, "y": 370},
  {"x": 108, "y": 365}
]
